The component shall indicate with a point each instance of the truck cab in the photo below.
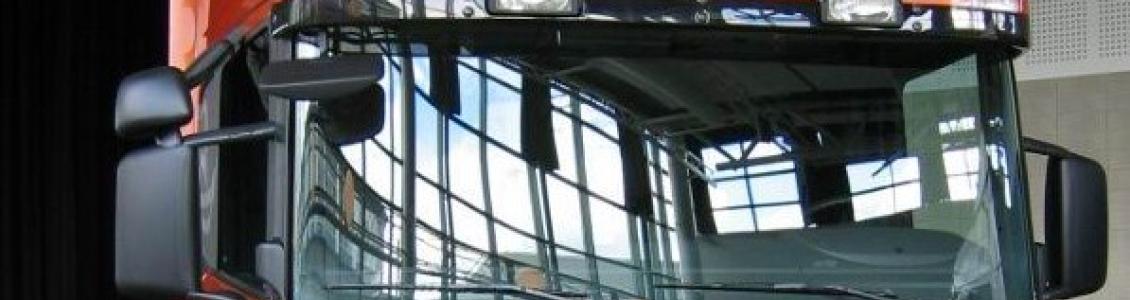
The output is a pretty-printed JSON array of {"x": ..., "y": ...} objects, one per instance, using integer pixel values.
[{"x": 590, "y": 149}]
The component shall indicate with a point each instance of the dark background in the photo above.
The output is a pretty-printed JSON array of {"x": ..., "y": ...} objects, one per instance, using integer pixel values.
[{"x": 61, "y": 62}]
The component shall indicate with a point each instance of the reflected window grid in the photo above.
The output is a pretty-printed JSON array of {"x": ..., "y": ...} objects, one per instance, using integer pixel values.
[
  {"x": 760, "y": 197},
  {"x": 435, "y": 242}
]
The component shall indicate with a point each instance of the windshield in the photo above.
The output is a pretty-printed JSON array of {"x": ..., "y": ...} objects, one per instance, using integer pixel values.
[{"x": 645, "y": 177}]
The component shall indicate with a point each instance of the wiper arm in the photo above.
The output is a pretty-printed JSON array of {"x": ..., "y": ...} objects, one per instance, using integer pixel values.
[
  {"x": 785, "y": 288},
  {"x": 501, "y": 289}
]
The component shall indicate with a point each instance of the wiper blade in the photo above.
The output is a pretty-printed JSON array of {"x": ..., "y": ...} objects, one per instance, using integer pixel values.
[
  {"x": 501, "y": 289},
  {"x": 785, "y": 288}
]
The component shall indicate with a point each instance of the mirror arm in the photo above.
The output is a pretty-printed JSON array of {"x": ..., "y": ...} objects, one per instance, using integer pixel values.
[
  {"x": 206, "y": 64},
  {"x": 1052, "y": 151},
  {"x": 241, "y": 133},
  {"x": 208, "y": 296},
  {"x": 1044, "y": 148}
]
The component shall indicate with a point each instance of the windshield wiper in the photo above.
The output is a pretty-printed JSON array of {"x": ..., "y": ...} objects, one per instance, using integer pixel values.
[
  {"x": 500, "y": 289},
  {"x": 785, "y": 288}
]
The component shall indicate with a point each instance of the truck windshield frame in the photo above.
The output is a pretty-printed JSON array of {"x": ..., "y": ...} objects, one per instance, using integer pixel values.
[{"x": 484, "y": 214}]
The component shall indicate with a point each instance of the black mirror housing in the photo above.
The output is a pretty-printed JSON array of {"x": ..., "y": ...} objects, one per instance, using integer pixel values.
[
  {"x": 1075, "y": 212},
  {"x": 350, "y": 103},
  {"x": 150, "y": 102},
  {"x": 155, "y": 230},
  {"x": 1076, "y": 216},
  {"x": 354, "y": 118},
  {"x": 321, "y": 78}
]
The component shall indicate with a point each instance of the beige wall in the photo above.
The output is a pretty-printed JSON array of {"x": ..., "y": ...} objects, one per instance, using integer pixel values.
[{"x": 1089, "y": 115}]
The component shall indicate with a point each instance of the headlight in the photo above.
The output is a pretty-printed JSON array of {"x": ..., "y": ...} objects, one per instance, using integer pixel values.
[
  {"x": 862, "y": 12},
  {"x": 964, "y": 19},
  {"x": 534, "y": 7},
  {"x": 1012, "y": 6}
]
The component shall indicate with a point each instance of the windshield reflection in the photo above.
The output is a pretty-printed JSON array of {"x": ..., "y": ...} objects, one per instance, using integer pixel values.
[{"x": 889, "y": 190}]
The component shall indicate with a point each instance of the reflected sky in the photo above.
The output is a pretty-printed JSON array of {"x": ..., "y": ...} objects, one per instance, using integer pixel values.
[{"x": 762, "y": 197}]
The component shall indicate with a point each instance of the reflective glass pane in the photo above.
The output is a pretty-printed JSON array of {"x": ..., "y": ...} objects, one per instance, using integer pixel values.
[
  {"x": 421, "y": 67},
  {"x": 733, "y": 220},
  {"x": 469, "y": 226},
  {"x": 565, "y": 210},
  {"x": 779, "y": 217},
  {"x": 572, "y": 264},
  {"x": 574, "y": 285},
  {"x": 774, "y": 189},
  {"x": 617, "y": 276},
  {"x": 962, "y": 166},
  {"x": 353, "y": 156},
  {"x": 603, "y": 166},
  {"x": 429, "y": 250},
  {"x": 712, "y": 157},
  {"x": 427, "y": 140},
  {"x": 886, "y": 201},
  {"x": 427, "y": 295},
  {"x": 563, "y": 140},
  {"x": 378, "y": 170},
  {"x": 729, "y": 193},
  {"x": 465, "y": 168},
  {"x": 516, "y": 246},
  {"x": 610, "y": 230},
  {"x": 509, "y": 189},
  {"x": 427, "y": 204},
  {"x": 503, "y": 73},
  {"x": 504, "y": 111},
  {"x": 470, "y": 92},
  {"x": 599, "y": 119},
  {"x": 472, "y": 264}
]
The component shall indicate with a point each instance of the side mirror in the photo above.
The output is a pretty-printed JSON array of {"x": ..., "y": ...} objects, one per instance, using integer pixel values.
[
  {"x": 1075, "y": 223},
  {"x": 321, "y": 78},
  {"x": 151, "y": 102},
  {"x": 155, "y": 237},
  {"x": 156, "y": 224},
  {"x": 156, "y": 253},
  {"x": 350, "y": 104},
  {"x": 354, "y": 118}
]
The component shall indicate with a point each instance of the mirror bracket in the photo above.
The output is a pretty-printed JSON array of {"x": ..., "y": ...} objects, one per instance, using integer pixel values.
[
  {"x": 209, "y": 296},
  {"x": 235, "y": 134},
  {"x": 168, "y": 139}
]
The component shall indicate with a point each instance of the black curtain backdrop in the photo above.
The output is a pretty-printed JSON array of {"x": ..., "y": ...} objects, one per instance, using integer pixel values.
[{"x": 61, "y": 62}]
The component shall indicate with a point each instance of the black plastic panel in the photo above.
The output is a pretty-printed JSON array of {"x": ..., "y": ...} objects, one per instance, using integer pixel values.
[
  {"x": 151, "y": 101},
  {"x": 155, "y": 238},
  {"x": 1077, "y": 233}
]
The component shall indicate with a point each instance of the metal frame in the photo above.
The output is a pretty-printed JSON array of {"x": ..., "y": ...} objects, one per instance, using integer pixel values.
[{"x": 280, "y": 188}]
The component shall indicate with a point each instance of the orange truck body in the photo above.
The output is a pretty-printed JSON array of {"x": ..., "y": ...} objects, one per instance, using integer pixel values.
[{"x": 196, "y": 24}]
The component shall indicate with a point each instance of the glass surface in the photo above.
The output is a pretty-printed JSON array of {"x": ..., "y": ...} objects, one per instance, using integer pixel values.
[
  {"x": 465, "y": 171},
  {"x": 509, "y": 189},
  {"x": 565, "y": 210},
  {"x": 894, "y": 176},
  {"x": 610, "y": 231},
  {"x": 563, "y": 138},
  {"x": 603, "y": 165}
]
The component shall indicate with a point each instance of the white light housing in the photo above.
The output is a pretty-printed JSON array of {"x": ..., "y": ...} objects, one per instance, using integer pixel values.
[
  {"x": 534, "y": 7},
  {"x": 1012, "y": 6},
  {"x": 964, "y": 19},
  {"x": 862, "y": 12}
]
